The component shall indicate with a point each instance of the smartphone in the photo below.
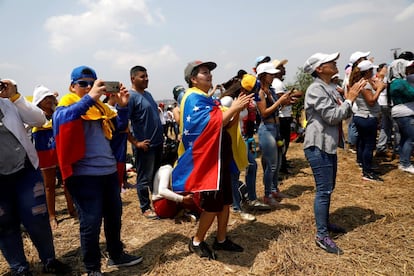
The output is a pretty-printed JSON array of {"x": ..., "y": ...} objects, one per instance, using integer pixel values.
[{"x": 112, "y": 86}]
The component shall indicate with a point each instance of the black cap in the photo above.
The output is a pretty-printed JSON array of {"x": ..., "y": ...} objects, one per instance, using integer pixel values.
[{"x": 407, "y": 55}]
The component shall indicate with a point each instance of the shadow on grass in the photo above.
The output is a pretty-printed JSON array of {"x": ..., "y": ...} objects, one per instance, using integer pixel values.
[
  {"x": 298, "y": 190},
  {"x": 253, "y": 237},
  {"x": 352, "y": 217}
]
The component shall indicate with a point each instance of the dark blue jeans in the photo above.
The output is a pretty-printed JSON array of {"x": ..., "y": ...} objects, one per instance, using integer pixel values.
[
  {"x": 23, "y": 200},
  {"x": 97, "y": 198},
  {"x": 324, "y": 168},
  {"x": 367, "y": 135},
  {"x": 406, "y": 126},
  {"x": 147, "y": 164},
  {"x": 250, "y": 179}
]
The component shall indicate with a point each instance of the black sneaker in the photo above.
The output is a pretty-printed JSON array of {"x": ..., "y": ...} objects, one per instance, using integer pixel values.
[
  {"x": 95, "y": 273},
  {"x": 201, "y": 250},
  {"x": 336, "y": 228},
  {"x": 227, "y": 245},
  {"x": 327, "y": 244},
  {"x": 22, "y": 271},
  {"x": 124, "y": 260},
  {"x": 371, "y": 177},
  {"x": 55, "y": 266}
]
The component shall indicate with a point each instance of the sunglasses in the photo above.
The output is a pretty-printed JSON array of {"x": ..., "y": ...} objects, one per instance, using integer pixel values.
[
  {"x": 84, "y": 83},
  {"x": 2, "y": 86}
]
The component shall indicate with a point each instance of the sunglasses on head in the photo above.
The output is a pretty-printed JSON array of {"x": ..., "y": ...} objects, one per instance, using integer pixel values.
[{"x": 84, "y": 83}]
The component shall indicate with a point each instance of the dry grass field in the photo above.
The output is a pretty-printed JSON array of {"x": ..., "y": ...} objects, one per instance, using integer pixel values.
[{"x": 379, "y": 218}]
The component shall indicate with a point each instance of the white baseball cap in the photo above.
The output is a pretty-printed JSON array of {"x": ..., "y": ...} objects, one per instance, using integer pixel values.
[
  {"x": 365, "y": 65},
  {"x": 266, "y": 67},
  {"x": 41, "y": 92},
  {"x": 317, "y": 59},
  {"x": 357, "y": 55}
]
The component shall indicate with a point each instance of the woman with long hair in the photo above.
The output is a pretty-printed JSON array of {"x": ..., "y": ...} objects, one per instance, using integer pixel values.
[
  {"x": 268, "y": 105},
  {"x": 366, "y": 118}
]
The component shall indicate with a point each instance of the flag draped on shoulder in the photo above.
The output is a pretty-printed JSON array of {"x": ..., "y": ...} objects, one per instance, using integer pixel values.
[
  {"x": 68, "y": 127},
  {"x": 198, "y": 166}
]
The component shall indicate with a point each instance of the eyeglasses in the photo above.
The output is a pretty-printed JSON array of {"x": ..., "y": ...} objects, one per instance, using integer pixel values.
[{"x": 84, "y": 83}]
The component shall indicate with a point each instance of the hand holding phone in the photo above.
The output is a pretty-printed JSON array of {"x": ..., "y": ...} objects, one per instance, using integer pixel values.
[{"x": 112, "y": 86}]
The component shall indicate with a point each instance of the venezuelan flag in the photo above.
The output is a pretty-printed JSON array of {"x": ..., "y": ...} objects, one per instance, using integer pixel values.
[
  {"x": 69, "y": 134},
  {"x": 45, "y": 145},
  {"x": 198, "y": 166}
]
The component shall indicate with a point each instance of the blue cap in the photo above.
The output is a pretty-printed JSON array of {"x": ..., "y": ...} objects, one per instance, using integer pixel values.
[
  {"x": 82, "y": 72},
  {"x": 261, "y": 59}
]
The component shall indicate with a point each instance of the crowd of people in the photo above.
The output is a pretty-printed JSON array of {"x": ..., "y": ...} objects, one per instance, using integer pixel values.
[{"x": 189, "y": 155}]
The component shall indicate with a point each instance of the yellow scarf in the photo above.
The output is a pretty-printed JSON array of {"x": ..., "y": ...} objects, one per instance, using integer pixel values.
[
  {"x": 46, "y": 126},
  {"x": 99, "y": 111}
]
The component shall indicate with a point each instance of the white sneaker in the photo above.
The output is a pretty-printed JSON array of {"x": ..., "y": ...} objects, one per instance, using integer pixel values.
[
  {"x": 258, "y": 205},
  {"x": 409, "y": 169},
  {"x": 247, "y": 216}
]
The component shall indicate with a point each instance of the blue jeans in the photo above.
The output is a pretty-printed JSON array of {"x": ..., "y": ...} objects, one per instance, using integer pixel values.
[
  {"x": 250, "y": 182},
  {"x": 250, "y": 179},
  {"x": 324, "y": 168},
  {"x": 352, "y": 132},
  {"x": 235, "y": 190},
  {"x": 384, "y": 137},
  {"x": 271, "y": 156},
  {"x": 367, "y": 135},
  {"x": 97, "y": 198},
  {"x": 23, "y": 200},
  {"x": 406, "y": 126},
  {"x": 147, "y": 163}
]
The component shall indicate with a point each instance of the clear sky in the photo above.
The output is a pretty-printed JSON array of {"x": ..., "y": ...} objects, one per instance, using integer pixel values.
[{"x": 43, "y": 40}]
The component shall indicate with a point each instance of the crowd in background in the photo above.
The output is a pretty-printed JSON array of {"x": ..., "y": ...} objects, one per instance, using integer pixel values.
[{"x": 189, "y": 155}]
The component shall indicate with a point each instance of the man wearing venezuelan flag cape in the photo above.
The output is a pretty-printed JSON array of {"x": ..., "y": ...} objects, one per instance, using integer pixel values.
[{"x": 205, "y": 155}]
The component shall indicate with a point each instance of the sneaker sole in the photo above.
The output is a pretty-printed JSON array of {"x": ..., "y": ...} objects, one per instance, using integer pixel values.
[
  {"x": 372, "y": 180},
  {"x": 131, "y": 263}
]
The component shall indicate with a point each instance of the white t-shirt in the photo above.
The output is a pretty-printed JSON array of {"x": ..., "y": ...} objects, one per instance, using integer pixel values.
[
  {"x": 162, "y": 185},
  {"x": 279, "y": 88}
]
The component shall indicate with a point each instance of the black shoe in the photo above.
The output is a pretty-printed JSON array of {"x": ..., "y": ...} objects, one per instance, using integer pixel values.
[
  {"x": 227, "y": 245},
  {"x": 21, "y": 272},
  {"x": 55, "y": 266},
  {"x": 124, "y": 260},
  {"x": 201, "y": 250},
  {"x": 95, "y": 273},
  {"x": 371, "y": 177},
  {"x": 328, "y": 245}
]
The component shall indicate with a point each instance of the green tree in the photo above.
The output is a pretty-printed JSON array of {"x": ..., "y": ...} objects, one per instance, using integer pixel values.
[{"x": 301, "y": 83}]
